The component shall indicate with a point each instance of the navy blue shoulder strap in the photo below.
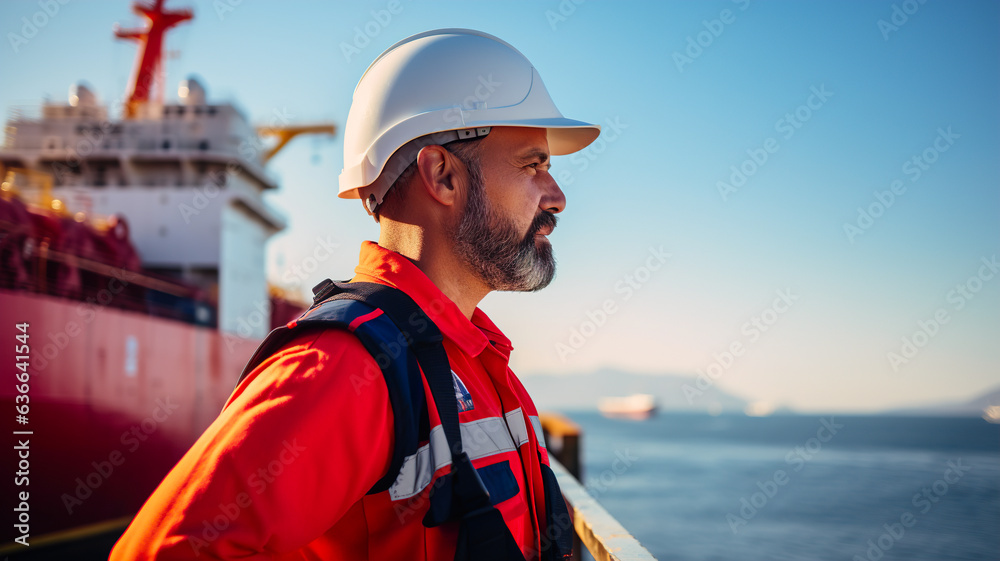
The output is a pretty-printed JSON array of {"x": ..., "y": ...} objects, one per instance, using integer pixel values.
[
  {"x": 387, "y": 345},
  {"x": 460, "y": 495}
]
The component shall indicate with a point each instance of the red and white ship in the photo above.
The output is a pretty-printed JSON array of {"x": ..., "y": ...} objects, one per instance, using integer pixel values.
[{"x": 132, "y": 247}]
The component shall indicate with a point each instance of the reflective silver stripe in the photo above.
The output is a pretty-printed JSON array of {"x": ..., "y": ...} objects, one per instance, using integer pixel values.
[
  {"x": 536, "y": 424},
  {"x": 485, "y": 437},
  {"x": 515, "y": 420},
  {"x": 480, "y": 438},
  {"x": 417, "y": 470}
]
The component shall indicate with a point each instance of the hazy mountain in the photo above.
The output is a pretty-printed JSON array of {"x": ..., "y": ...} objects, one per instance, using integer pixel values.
[
  {"x": 968, "y": 408},
  {"x": 676, "y": 392},
  {"x": 583, "y": 391}
]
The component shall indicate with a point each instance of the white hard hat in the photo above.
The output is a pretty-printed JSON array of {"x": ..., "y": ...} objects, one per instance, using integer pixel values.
[{"x": 436, "y": 87}]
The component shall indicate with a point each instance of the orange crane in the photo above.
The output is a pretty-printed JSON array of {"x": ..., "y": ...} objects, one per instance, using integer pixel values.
[{"x": 286, "y": 133}]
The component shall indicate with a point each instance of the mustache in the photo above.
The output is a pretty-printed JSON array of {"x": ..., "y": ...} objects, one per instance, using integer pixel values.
[{"x": 544, "y": 219}]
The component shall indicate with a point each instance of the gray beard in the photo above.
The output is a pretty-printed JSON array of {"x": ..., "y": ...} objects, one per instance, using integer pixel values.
[{"x": 492, "y": 247}]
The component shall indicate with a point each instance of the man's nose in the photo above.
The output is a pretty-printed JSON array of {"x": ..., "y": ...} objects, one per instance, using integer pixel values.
[{"x": 554, "y": 200}]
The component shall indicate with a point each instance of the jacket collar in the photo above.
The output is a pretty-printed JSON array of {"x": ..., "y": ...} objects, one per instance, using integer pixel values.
[{"x": 383, "y": 266}]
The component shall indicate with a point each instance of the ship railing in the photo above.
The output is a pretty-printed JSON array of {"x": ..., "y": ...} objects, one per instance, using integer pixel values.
[
  {"x": 138, "y": 291},
  {"x": 24, "y": 113},
  {"x": 594, "y": 527}
]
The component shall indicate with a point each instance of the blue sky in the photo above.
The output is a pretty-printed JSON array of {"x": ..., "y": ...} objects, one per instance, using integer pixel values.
[{"x": 680, "y": 126}]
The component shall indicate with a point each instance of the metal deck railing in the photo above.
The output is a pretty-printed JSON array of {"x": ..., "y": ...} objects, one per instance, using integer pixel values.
[{"x": 596, "y": 529}]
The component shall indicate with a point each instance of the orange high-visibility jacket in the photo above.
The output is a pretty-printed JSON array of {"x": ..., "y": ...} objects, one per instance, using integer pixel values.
[{"x": 284, "y": 470}]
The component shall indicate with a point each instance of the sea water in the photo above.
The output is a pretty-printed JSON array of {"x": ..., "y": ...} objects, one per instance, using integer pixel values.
[{"x": 880, "y": 488}]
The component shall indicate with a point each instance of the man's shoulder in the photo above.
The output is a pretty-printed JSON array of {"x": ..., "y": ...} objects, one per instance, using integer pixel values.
[
  {"x": 327, "y": 329},
  {"x": 317, "y": 361},
  {"x": 312, "y": 349},
  {"x": 326, "y": 340},
  {"x": 334, "y": 311}
]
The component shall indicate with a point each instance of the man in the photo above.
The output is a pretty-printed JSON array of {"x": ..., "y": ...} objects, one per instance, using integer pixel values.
[{"x": 447, "y": 144}]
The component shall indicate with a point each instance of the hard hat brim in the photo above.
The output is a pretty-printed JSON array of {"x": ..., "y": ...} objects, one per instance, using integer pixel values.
[{"x": 564, "y": 136}]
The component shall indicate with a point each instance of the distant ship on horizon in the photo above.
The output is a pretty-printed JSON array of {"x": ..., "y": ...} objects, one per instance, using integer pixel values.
[
  {"x": 639, "y": 407},
  {"x": 992, "y": 414}
]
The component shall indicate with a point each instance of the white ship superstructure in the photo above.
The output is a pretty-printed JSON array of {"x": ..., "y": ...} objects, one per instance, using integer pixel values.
[{"x": 186, "y": 176}]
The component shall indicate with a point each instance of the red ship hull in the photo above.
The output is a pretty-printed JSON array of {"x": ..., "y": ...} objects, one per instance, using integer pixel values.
[{"x": 115, "y": 399}]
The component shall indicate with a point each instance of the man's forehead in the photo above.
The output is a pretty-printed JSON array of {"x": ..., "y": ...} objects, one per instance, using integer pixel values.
[
  {"x": 525, "y": 142},
  {"x": 523, "y": 137}
]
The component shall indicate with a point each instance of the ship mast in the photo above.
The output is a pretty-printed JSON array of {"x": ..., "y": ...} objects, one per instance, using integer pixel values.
[{"x": 150, "y": 55}]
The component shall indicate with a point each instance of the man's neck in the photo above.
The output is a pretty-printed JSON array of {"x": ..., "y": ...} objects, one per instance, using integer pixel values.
[{"x": 439, "y": 263}]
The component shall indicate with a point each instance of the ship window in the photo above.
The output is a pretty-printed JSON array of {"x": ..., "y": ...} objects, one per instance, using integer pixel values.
[
  {"x": 203, "y": 145},
  {"x": 180, "y": 110},
  {"x": 211, "y": 110},
  {"x": 99, "y": 178},
  {"x": 61, "y": 169},
  {"x": 166, "y": 145}
]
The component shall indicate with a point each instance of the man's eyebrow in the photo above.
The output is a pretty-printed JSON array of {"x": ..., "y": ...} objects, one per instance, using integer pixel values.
[{"x": 534, "y": 154}]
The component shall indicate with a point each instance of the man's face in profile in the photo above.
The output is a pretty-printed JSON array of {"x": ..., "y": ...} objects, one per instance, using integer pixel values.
[{"x": 509, "y": 211}]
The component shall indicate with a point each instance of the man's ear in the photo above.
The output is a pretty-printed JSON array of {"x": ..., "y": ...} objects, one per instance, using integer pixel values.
[{"x": 439, "y": 174}]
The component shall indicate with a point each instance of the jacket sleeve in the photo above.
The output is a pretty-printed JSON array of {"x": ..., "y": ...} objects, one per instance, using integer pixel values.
[{"x": 301, "y": 440}]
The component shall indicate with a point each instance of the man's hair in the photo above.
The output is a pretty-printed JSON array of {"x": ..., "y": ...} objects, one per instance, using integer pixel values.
[{"x": 465, "y": 150}]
